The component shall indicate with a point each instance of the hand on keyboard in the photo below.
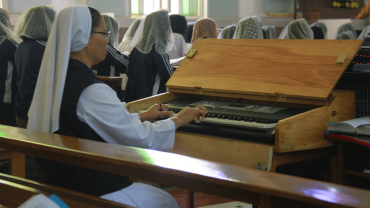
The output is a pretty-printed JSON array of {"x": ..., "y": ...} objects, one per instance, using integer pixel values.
[
  {"x": 155, "y": 111},
  {"x": 187, "y": 115}
]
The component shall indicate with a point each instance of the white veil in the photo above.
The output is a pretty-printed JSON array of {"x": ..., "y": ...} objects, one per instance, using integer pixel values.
[
  {"x": 35, "y": 22},
  {"x": 156, "y": 30},
  {"x": 70, "y": 32},
  {"x": 6, "y": 30},
  {"x": 297, "y": 29},
  {"x": 125, "y": 45},
  {"x": 249, "y": 28},
  {"x": 112, "y": 25}
]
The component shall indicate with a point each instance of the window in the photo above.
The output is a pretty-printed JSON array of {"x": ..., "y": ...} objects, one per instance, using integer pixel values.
[{"x": 184, "y": 7}]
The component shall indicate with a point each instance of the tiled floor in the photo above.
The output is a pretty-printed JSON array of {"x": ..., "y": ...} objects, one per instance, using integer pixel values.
[{"x": 205, "y": 201}]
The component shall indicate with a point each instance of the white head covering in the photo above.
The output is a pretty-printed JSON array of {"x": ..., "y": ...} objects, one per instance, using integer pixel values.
[
  {"x": 345, "y": 36},
  {"x": 155, "y": 30},
  {"x": 112, "y": 25},
  {"x": 249, "y": 28},
  {"x": 297, "y": 29},
  {"x": 270, "y": 31},
  {"x": 322, "y": 26},
  {"x": 347, "y": 27},
  {"x": 227, "y": 32},
  {"x": 6, "y": 29},
  {"x": 127, "y": 38},
  {"x": 365, "y": 33},
  {"x": 69, "y": 33},
  {"x": 35, "y": 23}
]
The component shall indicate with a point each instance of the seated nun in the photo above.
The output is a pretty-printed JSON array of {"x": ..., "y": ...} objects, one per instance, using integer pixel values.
[
  {"x": 269, "y": 32},
  {"x": 204, "y": 28},
  {"x": 322, "y": 26},
  {"x": 297, "y": 29},
  {"x": 227, "y": 32},
  {"x": 33, "y": 27},
  {"x": 189, "y": 32},
  {"x": 347, "y": 27},
  {"x": 150, "y": 68},
  {"x": 178, "y": 25},
  {"x": 8, "y": 74},
  {"x": 345, "y": 36},
  {"x": 115, "y": 63},
  {"x": 125, "y": 45},
  {"x": 70, "y": 100},
  {"x": 249, "y": 28}
]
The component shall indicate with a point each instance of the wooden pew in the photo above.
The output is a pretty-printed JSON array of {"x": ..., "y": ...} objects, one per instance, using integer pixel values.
[
  {"x": 257, "y": 187},
  {"x": 16, "y": 162},
  {"x": 14, "y": 191}
]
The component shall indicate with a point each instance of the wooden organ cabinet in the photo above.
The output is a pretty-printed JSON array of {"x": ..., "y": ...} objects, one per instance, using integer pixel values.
[{"x": 270, "y": 101}]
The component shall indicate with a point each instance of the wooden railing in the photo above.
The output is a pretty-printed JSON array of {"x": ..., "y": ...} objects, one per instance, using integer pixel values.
[{"x": 248, "y": 185}]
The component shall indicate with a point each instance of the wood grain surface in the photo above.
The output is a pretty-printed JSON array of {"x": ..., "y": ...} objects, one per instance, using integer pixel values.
[
  {"x": 305, "y": 69},
  {"x": 243, "y": 184}
]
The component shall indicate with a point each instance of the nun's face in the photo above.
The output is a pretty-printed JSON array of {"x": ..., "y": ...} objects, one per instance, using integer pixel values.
[{"x": 98, "y": 43}]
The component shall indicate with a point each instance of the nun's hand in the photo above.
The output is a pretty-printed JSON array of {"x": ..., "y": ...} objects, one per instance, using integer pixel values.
[
  {"x": 188, "y": 115},
  {"x": 155, "y": 111}
]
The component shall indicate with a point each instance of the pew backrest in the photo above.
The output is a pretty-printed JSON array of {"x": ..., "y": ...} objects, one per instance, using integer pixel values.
[{"x": 249, "y": 185}]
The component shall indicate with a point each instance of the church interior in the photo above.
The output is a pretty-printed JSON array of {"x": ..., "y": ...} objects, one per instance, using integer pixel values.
[{"x": 184, "y": 103}]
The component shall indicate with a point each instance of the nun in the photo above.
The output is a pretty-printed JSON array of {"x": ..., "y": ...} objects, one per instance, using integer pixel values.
[
  {"x": 178, "y": 25},
  {"x": 125, "y": 45},
  {"x": 297, "y": 29},
  {"x": 8, "y": 74},
  {"x": 114, "y": 63},
  {"x": 345, "y": 36},
  {"x": 347, "y": 27},
  {"x": 150, "y": 68},
  {"x": 269, "y": 32},
  {"x": 249, "y": 28},
  {"x": 204, "y": 28},
  {"x": 322, "y": 26},
  {"x": 33, "y": 27},
  {"x": 70, "y": 100},
  {"x": 227, "y": 32}
]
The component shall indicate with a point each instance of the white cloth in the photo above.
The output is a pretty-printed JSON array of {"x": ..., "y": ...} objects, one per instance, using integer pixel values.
[
  {"x": 125, "y": 45},
  {"x": 297, "y": 29},
  {"x": 180, "y": 47},
  {"x": 134, "y": 194},
  {"x": 70, "y": 32},
  {"x": 249, "y": 28},
  {"x": 99, "y": 107},
  {"x": 155, "y": 30}
]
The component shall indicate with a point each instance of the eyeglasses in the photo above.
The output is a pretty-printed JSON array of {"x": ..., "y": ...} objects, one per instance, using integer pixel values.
[{"x": 106, "y": 34}]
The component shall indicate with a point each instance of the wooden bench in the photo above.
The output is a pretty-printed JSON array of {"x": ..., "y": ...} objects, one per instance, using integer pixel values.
[
  {"x": 14, "y": 191},
  {"x": 257, "y": 187},
  {"x": 16, "y": 162}
]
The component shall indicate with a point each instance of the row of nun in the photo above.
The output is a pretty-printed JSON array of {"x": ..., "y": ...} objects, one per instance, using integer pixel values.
[
  {"x": 54, "y": 57},
  {"x": 59, "y": 93}
]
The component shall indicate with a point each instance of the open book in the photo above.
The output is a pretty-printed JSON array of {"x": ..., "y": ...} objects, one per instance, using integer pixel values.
[{"x": 353, "y": 126}]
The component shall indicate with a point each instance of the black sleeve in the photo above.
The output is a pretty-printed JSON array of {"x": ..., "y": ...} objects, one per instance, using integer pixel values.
[
  {"x": 117, "y": 59},
  {"x": 162, "y": 64}
]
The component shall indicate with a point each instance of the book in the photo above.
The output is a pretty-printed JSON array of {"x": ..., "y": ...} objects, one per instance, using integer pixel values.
[
  {"x": 353, "y": 126},
  {"x": 358, "y": 139}
]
